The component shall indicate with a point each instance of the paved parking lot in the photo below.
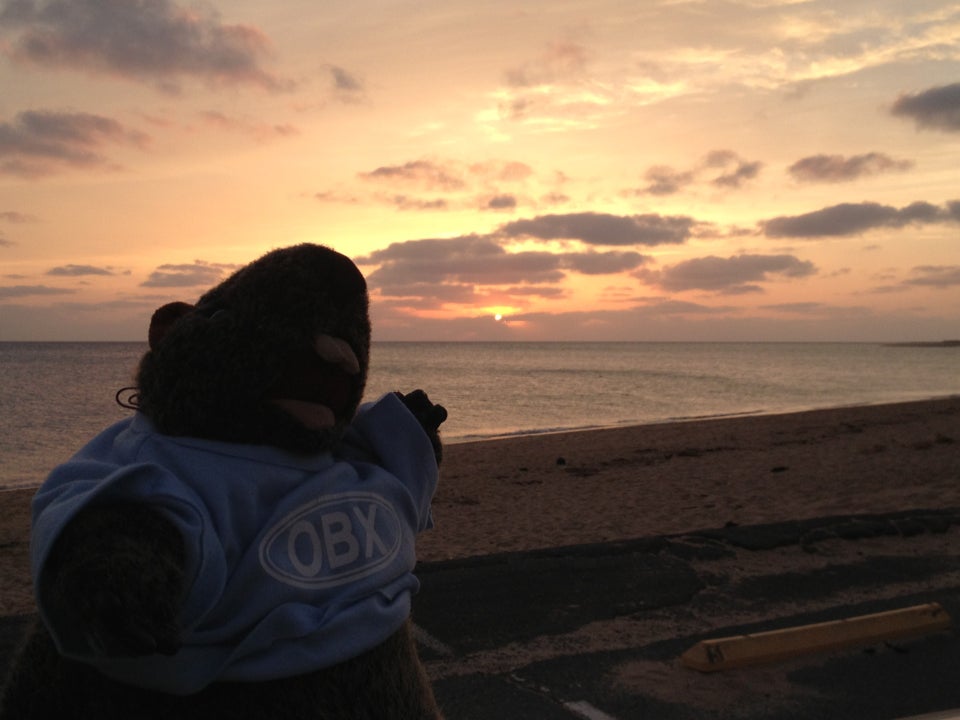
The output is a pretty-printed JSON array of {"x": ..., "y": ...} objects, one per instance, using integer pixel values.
[{"x": 597, "y": 631}]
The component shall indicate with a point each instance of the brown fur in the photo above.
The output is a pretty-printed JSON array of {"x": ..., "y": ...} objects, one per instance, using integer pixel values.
[
  {"x": 115, "y": 575},
  {"x": 386, "y": 683}
]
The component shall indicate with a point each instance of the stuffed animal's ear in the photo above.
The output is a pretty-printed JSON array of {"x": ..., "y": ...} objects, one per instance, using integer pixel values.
[{"x": 164, "y": 318}]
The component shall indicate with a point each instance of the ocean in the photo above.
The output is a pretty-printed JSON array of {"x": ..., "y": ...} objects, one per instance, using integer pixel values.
[{"x": 55, "y": 396}]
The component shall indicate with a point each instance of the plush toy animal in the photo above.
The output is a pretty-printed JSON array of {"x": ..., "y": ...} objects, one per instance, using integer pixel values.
[{"x": 243, "y": 546}]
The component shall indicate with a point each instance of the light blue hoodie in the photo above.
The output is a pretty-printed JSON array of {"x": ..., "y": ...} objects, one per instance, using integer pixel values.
[{"x": 295, "y": 563}]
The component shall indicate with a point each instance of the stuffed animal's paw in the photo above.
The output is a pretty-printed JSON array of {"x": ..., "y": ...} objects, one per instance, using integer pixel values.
[
  {"x": 429, "y": 415},
  {"x": 110, "y": 629},
  {"x": 114, "y": 582}
]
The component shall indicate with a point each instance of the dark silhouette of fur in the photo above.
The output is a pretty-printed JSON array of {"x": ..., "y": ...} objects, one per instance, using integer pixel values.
[{"x": 240, "y": 366}]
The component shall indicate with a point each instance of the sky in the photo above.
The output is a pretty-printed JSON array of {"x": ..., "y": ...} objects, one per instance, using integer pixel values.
[{"x": 665, "y": 170}]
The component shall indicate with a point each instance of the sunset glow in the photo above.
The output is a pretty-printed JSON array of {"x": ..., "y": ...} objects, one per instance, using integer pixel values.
[{"x": 746, "y": 170}]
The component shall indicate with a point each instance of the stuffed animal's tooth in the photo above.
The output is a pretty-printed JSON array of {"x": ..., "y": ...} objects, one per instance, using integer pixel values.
[{"x": 337, "y": 351}]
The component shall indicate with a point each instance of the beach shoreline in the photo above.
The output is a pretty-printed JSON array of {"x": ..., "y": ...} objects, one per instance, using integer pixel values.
[
  {"x": 760, "y": 412},
  {"x": 589, "y": 486},
  {"x": 531, "y": 492}
]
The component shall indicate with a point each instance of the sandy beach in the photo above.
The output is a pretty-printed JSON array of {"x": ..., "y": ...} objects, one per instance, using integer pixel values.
[
  {"x": 595, "y": 486},
  {"x": 532, "y": 492}
]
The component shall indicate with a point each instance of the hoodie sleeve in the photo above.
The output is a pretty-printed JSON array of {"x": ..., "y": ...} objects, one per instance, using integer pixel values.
[
  {"x": 401, "y": 447},
  {"x": 97, "y": 474}
]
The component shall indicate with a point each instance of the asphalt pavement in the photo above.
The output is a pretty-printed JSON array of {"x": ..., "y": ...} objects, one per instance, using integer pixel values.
[{"x": 596, "y": 632}]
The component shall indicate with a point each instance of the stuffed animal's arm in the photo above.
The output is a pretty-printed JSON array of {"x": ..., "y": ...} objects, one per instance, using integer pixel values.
[
  {"x": 114, "y": 581},
  {"x": 429, "y": 415}
]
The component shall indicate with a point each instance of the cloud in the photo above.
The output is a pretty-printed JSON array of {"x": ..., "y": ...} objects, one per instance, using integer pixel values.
[
  {"x": 937, "y": 108},
  {"x": 14, "y": 217},
  {"x": 405, "y": 202},
  {"x": 937, "y": 276},
  {"x": 188, "y": 275},
  {"x": 77, "y": 271},
  {"x": 501, "y": 171},
  {"x": 39, "y": 142},
  {"x": 664, "y": 317},
  {"x": 423, "y": 173},
  {"x": 116, "y": 320},
  {"x": 335, "y": 196},
  {"x": 501, "y": 202},
  {"x": 561, "y": 60},
  {"x": 603, "y": 229},
  {"x": 427, "y": 294},
  {"x": 157, "y": 40},
  {"x": 346, "y": 86},
  {"x": 854, "y": 218},
  {"x": 739, "y": 175},
  {"x": 555, "y": 91},
  {"x": 19, "y": 291},
  {"x": 554, "y": 198},
  {"x": 731, "y": 276},
  {"x": 534, "y": 291},
  {"x": 434, "y": 296},
  {"x": 256, "y": 130},
  {"x": 799, "y": 308},
  {"x": 469, "y": 259},
  {"x": 664, "y": 180},
  {"x": 668, "y": 306},
  {"x": 456, "y": 269},
  {"x": 734, "y": 172},
  {"x": 837, "y": 168},
  {"x": 602, "y": 263},
  {"x": 345, "y": 81},
  {"x": 447, "y": 184}
]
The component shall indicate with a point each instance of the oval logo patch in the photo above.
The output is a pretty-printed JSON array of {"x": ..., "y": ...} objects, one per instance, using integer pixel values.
[{"x": 331, "y": 541}]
